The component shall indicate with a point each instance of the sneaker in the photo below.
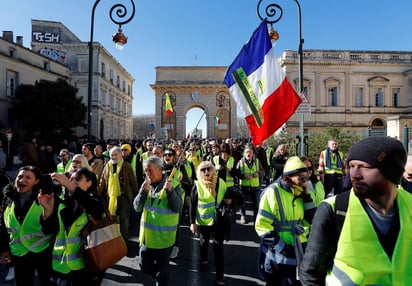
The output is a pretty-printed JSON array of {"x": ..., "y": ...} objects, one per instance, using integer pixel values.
[
  {"x": 175, "y": 252},
  {"x": 243, "y": 219},
  {"x": 10, "y": 275}
]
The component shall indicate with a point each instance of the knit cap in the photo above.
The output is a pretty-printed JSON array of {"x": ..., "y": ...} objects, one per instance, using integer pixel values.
[
  {"x": 293, "y": 166},
  {"x": 384, "y": 153}
]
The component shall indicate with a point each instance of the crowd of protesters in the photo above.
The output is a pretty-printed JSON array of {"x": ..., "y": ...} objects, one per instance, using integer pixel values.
[{"x": 152, "y": 187}]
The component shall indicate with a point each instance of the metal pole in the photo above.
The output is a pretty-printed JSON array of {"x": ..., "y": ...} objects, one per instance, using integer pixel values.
[
  {"x": 120, "y": 12},
  {"x": 90, "y": 78},
  {"x": 275, "y": 12},
  {"x": 300, "y": 63}
]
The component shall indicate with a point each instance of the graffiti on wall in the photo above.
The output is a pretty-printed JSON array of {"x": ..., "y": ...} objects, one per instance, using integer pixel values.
[
  {"x": 56, "y": 55},
  {"x": 46, "y": 37}
]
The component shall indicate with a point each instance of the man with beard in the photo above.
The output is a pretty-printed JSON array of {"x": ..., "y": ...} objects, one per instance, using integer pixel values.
[
  {"x": 332, "y": 168},
  {"x": 362, "y": 237}
]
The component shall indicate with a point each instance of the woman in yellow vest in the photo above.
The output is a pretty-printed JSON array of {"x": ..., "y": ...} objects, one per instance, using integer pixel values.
[
  {"x": 22, "y": 241},
  {"x": 208, "y": 199},
  {"x": 285, "y": 210},
  {"x": 66, "y": 219}
]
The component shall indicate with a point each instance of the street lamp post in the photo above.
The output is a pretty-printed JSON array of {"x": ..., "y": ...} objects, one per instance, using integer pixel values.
[
  {"x": 119, "y": 38},
  {"x": 271, "y": 12}
]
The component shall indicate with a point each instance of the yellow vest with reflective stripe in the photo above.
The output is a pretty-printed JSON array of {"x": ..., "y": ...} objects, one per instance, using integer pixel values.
[
  {"x": 244, "y": 169},
  {"x": 229, "y": 164},
  {"x": 206, "y": 205},
  {"x": 63, "y": 169},
  {"x": 27, "y": 236},
  {"x": 67, "y": 254},
  {"x": 268, "y": 214},
  {"x": 360, "y": 258},
  {"x": 159, "y": 223},
  {"x": 333, "y": 162}
]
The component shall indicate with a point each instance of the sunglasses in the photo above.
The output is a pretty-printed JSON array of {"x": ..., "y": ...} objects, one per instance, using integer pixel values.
[
  {"x": 206, "y": 169},
  {"x": 191, "y": 150},
  {"x": 63, "y": 155},
  {"x": 303, "y": 178},
  {"x": 168, "y": 154},
  {"x": 76, "y": 161}
]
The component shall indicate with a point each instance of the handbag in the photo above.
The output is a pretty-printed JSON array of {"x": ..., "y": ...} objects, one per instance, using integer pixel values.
[{"x": 104, "y": 245}]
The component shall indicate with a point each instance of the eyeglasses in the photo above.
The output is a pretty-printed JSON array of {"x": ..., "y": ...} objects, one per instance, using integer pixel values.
[
  {"x": 77, "y": 161},
  {"x": 168, "y": 154},
  {"x": 206, "y": 169},
  {"x": 63, "y": 155},
  {"x": 191, "y": 150}
]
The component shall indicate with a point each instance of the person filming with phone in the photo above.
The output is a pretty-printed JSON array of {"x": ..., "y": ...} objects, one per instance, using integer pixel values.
[{"x": 22, "y": 241}]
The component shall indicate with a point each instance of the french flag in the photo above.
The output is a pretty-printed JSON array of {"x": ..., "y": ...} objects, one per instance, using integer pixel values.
[{"x": 260, "y": 88}]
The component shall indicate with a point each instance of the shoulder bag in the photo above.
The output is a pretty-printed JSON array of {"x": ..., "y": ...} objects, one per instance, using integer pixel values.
[{"x": 104, "y": 245}]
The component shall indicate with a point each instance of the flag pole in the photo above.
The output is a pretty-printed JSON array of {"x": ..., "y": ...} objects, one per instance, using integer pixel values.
[{"x": 179, "y": 159}]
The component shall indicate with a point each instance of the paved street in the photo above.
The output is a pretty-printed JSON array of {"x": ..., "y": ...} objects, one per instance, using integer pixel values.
[{"x": 240, "y": 262}]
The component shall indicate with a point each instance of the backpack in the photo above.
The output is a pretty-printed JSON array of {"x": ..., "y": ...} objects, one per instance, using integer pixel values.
[{"x": 341, "y": 206}]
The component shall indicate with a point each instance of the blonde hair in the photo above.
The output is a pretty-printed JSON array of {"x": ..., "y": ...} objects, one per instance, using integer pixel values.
[{"x": 204, "y": 164}]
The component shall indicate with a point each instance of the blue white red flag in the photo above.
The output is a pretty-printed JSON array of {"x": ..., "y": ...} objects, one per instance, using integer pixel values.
[{"x": 260, "y": 88}]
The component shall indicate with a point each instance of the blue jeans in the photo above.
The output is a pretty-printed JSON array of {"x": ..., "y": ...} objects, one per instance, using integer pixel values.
[{"x": 155, "y": 262}]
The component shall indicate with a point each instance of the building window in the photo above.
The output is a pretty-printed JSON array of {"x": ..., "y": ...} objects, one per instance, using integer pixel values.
[
  {"x": 13, "y": 53},
  {"x": 103, "y": 69},
  {"x": 118, "y": 81},
  {"x": 47, "y": 66},
  {"x": 124, "y": 86},
  {"x": 128, "y": 89},
  {"x": 11, "y": 77},
  {"x": 395, "y": 96},
  {"x": 306, "y": 91},
  {"x": 111, "y": 76},
  {"x": 379, "y": 97},
  {"x": 333, "y": 96},
  {"x": 358, "y": 96}
]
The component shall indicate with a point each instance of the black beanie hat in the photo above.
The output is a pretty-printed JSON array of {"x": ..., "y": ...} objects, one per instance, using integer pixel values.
[{"x": 384, "y": 153}]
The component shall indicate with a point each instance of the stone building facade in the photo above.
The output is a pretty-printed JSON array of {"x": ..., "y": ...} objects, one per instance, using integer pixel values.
[
  {"x": 189, "y": 87},
  {"x": 112, "y": 84},
  {"x": 361, "y": 91},
  {"x": 20, "y": 65},
  {"x": 364, "y": 91}
]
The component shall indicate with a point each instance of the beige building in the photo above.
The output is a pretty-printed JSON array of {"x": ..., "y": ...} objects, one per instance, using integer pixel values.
[
  {"x": 20, "y": 65},
  {"x": 112, "y": 84},
  {"x": 363, "y": 91}
]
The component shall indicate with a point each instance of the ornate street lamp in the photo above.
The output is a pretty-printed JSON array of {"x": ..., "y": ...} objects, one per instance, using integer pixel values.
[
  {"x": 119, "y": 38},
  {"x": 274, "y": 13}
]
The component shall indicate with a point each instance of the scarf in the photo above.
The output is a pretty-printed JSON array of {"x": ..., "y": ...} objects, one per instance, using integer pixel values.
[
  {"x": 113, "y": 188},
  {"x": 328, "y": 161}
]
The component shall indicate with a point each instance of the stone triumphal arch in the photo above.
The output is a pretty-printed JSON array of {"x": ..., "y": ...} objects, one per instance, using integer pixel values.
[{"x": 189, "y": 87}]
